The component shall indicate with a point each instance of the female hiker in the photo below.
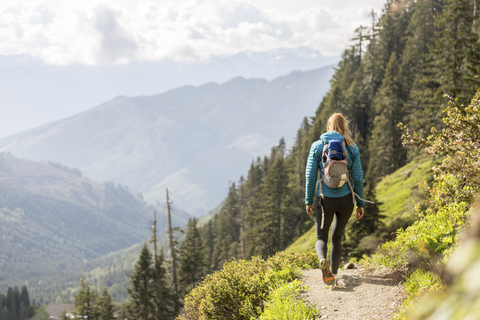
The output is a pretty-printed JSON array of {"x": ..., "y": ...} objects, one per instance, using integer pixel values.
[{"x": 341, "y": 185}]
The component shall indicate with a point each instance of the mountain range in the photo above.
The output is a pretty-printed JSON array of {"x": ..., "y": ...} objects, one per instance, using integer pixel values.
[
  {"x": 35, "y": 93},
  {"x": 193, "y": 140},
  {"x": 54, "y": 221}
]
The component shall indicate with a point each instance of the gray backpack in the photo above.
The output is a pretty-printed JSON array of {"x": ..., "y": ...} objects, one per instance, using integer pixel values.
[{"x": 335, "y": 168}]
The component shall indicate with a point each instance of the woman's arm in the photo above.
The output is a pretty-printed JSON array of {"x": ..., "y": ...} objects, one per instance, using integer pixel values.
[
  {"x": 311, "y": 173},
  {"x": 357, "y": 176}
]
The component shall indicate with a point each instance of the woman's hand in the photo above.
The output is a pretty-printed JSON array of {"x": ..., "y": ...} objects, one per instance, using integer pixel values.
[
  {"x": 360, "y": 211},
  {"x": 310, "y": 209}
]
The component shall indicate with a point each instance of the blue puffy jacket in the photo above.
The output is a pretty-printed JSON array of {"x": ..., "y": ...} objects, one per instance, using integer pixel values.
[{"x": 314, "y": 162}]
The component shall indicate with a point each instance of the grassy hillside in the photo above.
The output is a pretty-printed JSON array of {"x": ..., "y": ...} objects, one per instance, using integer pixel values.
[{"x": 396, "y": 194}]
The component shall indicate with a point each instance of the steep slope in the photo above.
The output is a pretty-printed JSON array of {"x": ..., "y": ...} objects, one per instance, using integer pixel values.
[
  {"x": 396, "y": 194},
  {"x": 53, "y": 220},
  {"x": 191, "y": 139}
]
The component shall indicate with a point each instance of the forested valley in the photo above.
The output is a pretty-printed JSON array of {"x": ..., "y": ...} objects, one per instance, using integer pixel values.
[{"x": 416, "y": 60}]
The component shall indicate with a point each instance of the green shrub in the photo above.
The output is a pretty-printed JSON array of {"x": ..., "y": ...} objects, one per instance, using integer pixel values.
[
  {"x": 240, "y": 289},
  {"x": 434, "y": 234},
  {"x": 418, "y": 283},
  {"x": 283, "y": 304}
]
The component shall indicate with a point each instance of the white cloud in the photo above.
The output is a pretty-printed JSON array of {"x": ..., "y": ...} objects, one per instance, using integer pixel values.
[{"x": 93, "y": 32}]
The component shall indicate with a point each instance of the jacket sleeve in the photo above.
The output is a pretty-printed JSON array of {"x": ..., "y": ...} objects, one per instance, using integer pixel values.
[
  {"x": 357, "y": 176},
  {"x": 311, "y": 174}
]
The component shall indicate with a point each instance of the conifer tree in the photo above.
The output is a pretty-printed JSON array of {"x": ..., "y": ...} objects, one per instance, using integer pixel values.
[
  {"x": 208, "y": 238},
  {"x": 124, "y": 312},
  {"x": 419, "y": 67},
  {"x": 386, "y": 150},
  {"x": 228, "y": 229},
  {"x": 64, "y": 315},
  {"x": 85, "y": 299},
  {"x": 105, "y": 308},
  {"x": 25, "y": 299},
  {"x": 456, "y": 51},
  {"x": 191, "y": 257},
  {"x": 5, "y": 313},
  {"x": 272, "y": 204},
  {"x": 142, "y": 290},
  {"x": 173, "y": 252},
  {"x": 164, "y": 299},
  {"x": 23, "y": 315},
  {"x": 13, "y": 310}
]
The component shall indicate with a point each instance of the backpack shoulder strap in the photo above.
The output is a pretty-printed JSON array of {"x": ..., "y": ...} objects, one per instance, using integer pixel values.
[
  {"x": 320, "y": 177},
  {"x": 344, "y": 146}
]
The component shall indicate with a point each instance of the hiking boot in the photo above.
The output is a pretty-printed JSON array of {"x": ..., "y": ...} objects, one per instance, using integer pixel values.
[{"x": 328, "y": 277}]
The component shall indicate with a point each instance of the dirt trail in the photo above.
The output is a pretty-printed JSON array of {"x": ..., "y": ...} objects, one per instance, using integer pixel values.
[
  {"x": 358, "y": 294},
  {"x": 54, "y": 310}
]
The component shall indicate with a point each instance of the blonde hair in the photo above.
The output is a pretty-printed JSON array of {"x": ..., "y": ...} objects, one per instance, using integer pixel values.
[{"x": 337, "y": 123}]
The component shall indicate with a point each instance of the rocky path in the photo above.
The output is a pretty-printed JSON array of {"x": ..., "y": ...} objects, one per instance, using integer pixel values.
[{"x": 358, "y": 294}]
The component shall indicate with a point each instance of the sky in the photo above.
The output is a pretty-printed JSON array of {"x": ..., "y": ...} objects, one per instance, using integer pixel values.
[
  {"x": 59, "y": 57},
  {"x": 96, "y": 32}
]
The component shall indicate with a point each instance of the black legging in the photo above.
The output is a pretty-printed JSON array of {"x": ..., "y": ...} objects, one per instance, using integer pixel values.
[{"x": 342, "y": 209}]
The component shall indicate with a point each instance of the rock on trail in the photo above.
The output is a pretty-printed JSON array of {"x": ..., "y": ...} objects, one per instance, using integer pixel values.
[{"x": 358, "y": 294}]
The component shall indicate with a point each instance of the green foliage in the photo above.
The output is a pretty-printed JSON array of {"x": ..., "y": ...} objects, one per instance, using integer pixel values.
[
  {"x": 458, "y": 144},
  {"x": 421, "y": 280},
  {"x": 85, "y": 301},
  {"x": 239, "y": 289},
  {"x": 15, "y": 304},
  {"x": 446, "y": 209},
  {"x": 191, "y": 259},
  {"x": 262, "y": 214},
  {"x": 40, "y": 314},
  {"x": 142, "y": 290},
  {"x": 91, "y": 305},
  {"x": 283, "y": 304},
  {"x": 399, "y": 191},
  {"x": 418, "y": 284},
  {"x": 437, "y": 232},
  {"x": 460, "y": 298},
  {"x": 105, "y": 308},
  {"x": 304, "y": 244},
  {"x": 385, "y": 145}
]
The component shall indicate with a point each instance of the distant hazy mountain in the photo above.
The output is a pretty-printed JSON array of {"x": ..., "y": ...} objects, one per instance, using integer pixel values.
[
  {"x": 34, "y": 93},
  {"x": 53, "y": 220},
  {"x": 191, "y": 139}
]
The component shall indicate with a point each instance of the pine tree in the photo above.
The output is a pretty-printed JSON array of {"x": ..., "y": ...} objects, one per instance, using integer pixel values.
[
  {"x": 142, "y": 290},
  {"x": 85, "y": 300},
  {"x": 228, "y": 229},
  {"x": 105, "y": 308},
  {"x": 163, "y": 297},
  {"x": 419, "y": 68},
  {"x": 208, "y": 238},
  {"x": 456, "y": 51},
  {"x": 272, "y": 205},
  {"x": 5, "y": 313},
  {"x": 64, "y": 315},
  {"x": 124, "y": 312},
  {"x": 164, "y": 303},
  {"x": 23, "y": 315},
  {"x": 386, "y": 150},
  {"x": 191, "y": 257},
  {"x": 25, "y": 299},
  {"x": 173, "y": 259},
  {"x": 13, "y": 310}
]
